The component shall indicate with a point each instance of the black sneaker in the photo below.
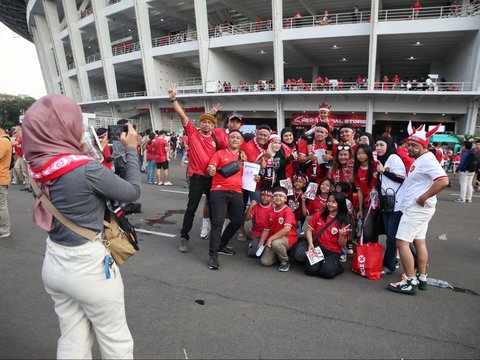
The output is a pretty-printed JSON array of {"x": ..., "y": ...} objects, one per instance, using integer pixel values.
[
  {"x": 284, "y": 266},
  {"x": 226, "y": 251},
  {"x": 405, "y": 286},
  {"x": 422, "y": 285},
  {"x": 213, "y": 263}
]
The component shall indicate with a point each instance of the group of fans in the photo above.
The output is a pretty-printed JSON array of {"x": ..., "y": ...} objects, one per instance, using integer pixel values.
[{"x": 350, "y": 189}]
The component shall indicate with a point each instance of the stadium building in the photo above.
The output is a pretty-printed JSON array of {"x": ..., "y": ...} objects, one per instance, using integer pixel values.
[{"x": 377, "y": 63}]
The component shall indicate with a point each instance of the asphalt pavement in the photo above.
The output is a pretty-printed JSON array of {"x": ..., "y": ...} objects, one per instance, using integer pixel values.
[{"x": 178, "y": 308}]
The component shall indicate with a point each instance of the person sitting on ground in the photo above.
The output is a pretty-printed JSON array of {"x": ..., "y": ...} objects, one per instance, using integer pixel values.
[
  {"x": 259, "y": 214},
  {"x": 335, "y": 219},
  {"x": 280, "y": 234}
]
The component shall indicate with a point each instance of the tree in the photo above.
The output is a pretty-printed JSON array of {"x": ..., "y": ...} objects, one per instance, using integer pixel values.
[{"x": 11, "y": 107}]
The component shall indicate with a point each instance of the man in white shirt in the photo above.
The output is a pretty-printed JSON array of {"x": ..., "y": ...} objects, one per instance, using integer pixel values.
[{"x": 424, "y": 181}]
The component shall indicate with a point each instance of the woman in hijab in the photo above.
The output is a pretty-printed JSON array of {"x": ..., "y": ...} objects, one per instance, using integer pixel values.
[
  {"x": 285, "y": 156},
  {"x": 80, "y": 276},
  {"x": 392, "y": 173}
]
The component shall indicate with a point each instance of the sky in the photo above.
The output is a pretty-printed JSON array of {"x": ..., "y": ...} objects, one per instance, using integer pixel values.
[{"x": 19, "y": 67}]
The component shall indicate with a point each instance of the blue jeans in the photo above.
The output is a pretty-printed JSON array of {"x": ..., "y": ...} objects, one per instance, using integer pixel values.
[
  {"x": 151, "y": 171},
  {"x": 391, "y": 221}
]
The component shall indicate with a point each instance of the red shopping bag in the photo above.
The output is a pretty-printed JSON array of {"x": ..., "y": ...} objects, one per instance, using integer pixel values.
[{"x": 368, "y": 260}]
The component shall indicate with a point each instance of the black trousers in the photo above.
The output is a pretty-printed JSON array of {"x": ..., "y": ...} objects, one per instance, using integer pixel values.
[
  {"x": 221, "y": 203},
  {"x": 199, "y": 185},
  {"x": 327, "y": 268}
]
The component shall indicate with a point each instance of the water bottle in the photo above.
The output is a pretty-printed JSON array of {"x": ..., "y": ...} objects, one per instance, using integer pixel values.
[
  {"x": 91, "y": 144},
  {"x": 439, "y": 283}
]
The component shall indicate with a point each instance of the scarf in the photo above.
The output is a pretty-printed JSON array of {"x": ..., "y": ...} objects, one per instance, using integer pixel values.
[{"x": 52, "y": 144}]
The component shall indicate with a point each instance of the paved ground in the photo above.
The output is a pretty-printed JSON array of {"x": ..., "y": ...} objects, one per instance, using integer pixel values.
[{"x": 177, "y": 308}]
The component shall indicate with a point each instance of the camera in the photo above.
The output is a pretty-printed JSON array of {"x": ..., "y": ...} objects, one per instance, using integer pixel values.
[{"x": 115, "y": 131}]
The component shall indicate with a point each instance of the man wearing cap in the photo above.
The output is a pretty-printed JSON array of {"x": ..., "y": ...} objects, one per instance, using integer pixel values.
[
  {"x": 424, "y": 181},
  {"x": 201, "y": 148},
  {"x": 5, "y": 159}
]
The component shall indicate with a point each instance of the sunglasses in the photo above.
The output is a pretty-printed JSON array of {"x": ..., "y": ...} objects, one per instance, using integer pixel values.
[{"x": 343, "y": 147}]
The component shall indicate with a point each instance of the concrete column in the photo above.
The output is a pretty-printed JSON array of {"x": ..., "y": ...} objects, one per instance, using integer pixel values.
[
  {"x": 369, "y": 125},
  {"x": 277, "y": 22},
  {"x": 201, "y": 19},
  {"x": 46, "y": 57},
  {"x": 145, "y": 38},
  {"x": 72, "y": 16},
  {"x": 155, "y": 116},
  {"x": 314, "y": 74},
  {"x": 280, "y": 113},
  {"x": 372, "y": 52},
  {"x": 105, "y": 47},
  {"x": 476, "y": 66},
  {"x": 471, "y": 117},
  {"x": 51, "y": 15}
]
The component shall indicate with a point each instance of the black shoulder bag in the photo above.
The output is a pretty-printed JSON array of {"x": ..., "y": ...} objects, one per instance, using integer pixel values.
[{"x": 388, "y": 198}]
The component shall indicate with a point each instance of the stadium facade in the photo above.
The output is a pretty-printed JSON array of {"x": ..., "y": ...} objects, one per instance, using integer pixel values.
[{"x": 116, "y": 58}]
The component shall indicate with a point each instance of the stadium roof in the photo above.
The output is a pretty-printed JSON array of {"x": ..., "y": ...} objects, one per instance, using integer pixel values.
[{"x": 13, "y": 14}]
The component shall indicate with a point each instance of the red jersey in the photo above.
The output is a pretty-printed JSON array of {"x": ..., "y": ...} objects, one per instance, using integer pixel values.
[
  {"x": 361, "y": 182},
  {"x": 343, "y": 174},
  {"x": 289, "y": 167},
  {"x": 260, "y": 215},
  {"x": 232, "y": 183},
  {"x": 329, "y": 239},
  {"x": 221, "y": 135},
  {"x": 316, "y": 205},
  {"x": 159, "y": 146},
  {"x": 18, "y": 148},
  {"x": 295, "y": 203},
  {"x": 201, "y": 148},
  {"x": 279, "y": 219},
  {"x": 106, "y": 155},
  {"x": 254, "y": 151},
  {"x": 149, "y": 150}
]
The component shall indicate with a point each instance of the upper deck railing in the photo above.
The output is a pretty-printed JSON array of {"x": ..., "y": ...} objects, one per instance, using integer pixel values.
[
  {"x": 125, "y": 48},
  {"x": 91, "y": 58},
  {"x": 181, "y": 37},
  {"x": 240, "y": 29},
  {"x": 437, "y": 12}
]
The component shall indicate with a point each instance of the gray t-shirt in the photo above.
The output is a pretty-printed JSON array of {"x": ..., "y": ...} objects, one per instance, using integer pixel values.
[{"x": 81, "y": 193}]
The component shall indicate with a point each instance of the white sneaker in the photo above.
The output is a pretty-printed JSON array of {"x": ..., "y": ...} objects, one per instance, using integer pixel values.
[
  {"x": 160, "y": 183},
  {"x": 5, "y": 235},
  {"x": 459, "y": 200},
  {"x": 205, "y": 232},
  {"x": 168, "y": 183}
]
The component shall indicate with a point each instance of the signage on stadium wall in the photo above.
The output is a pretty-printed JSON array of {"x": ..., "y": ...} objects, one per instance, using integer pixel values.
[
  {"x": 339, "y": 119},
  {"x": 187, "y": 110}
]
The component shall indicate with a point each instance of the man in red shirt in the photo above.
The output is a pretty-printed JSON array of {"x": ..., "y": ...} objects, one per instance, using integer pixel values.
[
  {"x": 225, "y": 197},
  {"x": 308, "y": 156},
  {"x": 256, "y": 152},
  {"x": 160, "y": 148},
  {"x": 281, "y": 233},
  {"x": 201, "y": 146},
  {"x": 21, "y": 167}
]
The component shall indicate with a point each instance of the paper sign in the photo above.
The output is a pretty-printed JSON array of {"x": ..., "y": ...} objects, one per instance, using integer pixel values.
[
  {"x": 311, "y": 191},
  {"x": 319, "y": 154},
  {"x": 287, "y": 184},
  {"x": 250, "y": 170},
  {"x": 315, "y": 256}
]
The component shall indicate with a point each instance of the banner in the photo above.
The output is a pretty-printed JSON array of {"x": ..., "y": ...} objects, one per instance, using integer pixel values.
[{"x": 339, "y": 119}]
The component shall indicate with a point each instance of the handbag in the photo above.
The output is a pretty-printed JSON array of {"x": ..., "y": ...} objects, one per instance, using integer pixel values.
[
  {"x": 230, "y": 169},
  {"x": 388, "y": 199},
  {"x": 119, "y": 238},
  {"x": 367, "y": 261}
]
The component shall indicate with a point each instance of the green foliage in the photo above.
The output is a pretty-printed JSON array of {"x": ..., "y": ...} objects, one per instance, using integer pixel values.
[{"x": 11, "y": 107}]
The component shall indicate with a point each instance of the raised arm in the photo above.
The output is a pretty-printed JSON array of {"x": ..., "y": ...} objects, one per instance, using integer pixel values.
[{"x": 172, "y": 93}]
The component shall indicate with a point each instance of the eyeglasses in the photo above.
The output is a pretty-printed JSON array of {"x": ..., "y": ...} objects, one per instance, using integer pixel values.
[{"x": 343, "y": 147}]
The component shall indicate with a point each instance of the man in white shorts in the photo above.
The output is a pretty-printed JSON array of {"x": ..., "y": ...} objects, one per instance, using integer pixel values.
[{"x": 424, "y": 181}]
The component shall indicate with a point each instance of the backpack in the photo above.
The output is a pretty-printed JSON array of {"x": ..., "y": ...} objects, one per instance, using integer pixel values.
[{"x": 473, "y": 161}]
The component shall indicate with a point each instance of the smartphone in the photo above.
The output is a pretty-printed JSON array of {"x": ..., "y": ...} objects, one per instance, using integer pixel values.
[{"x": 114, "y": 131}]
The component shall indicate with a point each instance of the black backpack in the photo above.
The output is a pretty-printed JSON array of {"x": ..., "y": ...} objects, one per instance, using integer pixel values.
[{"x": 473, "y": 161}]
